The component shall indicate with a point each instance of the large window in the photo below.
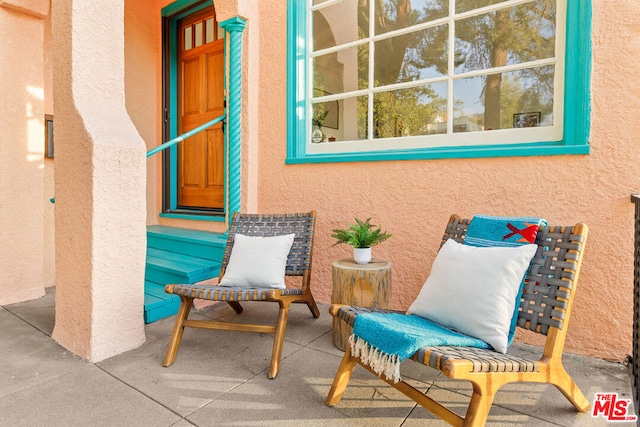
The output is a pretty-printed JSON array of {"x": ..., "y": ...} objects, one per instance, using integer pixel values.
[{"x": 403, "y": 79}]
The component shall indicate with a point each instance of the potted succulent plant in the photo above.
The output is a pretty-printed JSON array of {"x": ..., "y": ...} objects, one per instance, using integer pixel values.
[{"x": 362, "y": 236}]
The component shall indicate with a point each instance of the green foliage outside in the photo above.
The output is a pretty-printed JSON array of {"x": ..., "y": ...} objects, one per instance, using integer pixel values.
[{"x": 507, "y": 36}]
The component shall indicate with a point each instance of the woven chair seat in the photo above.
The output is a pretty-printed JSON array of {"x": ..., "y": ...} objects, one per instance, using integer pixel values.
[
  {"x": 483, "y": 360},
  {"x": 222, "y": 293}
]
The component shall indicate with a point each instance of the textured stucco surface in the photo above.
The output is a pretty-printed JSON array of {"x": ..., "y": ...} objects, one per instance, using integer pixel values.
[
  {"x": 143, "y": 74},
  {"x": 100, "y": 171},
  {"x": 21, "y": 151},
  {"x": 100, "y": 175},
  {"x": 49, "y": 240},
  {"x": 413, "y": 199}
]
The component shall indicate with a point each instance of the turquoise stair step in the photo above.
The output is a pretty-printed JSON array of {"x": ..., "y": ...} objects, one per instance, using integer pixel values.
[
  {"x": 190, "y": 262},
  {"x": 176, "y": 268},
  {"x": 201, "y": 244},
  {"x": 177, "y": 255},
  {"x": 157, "y": 303}
]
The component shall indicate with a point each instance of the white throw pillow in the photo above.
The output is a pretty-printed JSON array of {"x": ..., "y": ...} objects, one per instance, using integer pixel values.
[
  {"x": 474, "y": 289},
  {"x": 258, "y": 262}
]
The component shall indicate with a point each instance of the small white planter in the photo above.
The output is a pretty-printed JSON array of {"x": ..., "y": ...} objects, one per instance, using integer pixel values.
[{"x": 362, "y": 255}]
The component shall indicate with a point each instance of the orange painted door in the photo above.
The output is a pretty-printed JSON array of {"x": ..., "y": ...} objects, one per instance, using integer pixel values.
[{"x": 200, "y": 168}]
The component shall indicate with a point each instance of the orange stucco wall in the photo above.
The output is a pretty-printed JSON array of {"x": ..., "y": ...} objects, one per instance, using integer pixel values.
[
  {"x": 49, "y": 240},
  {"x": 22, "y": 178},
  {"x": 413, "y": 199},
  {"x": 100, "y": 176}
]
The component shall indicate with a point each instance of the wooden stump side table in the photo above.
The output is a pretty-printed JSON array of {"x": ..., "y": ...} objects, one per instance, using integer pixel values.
[{"x": 366, "y": 285}]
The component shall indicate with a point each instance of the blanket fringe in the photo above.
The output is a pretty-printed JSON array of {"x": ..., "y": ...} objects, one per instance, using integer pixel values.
[{"x": 380, "y": 362}]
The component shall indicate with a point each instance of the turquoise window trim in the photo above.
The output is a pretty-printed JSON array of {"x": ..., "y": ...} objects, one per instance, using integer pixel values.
[
  {"x": 577, "y": 101},
  {"x": 296, "y": 80}
]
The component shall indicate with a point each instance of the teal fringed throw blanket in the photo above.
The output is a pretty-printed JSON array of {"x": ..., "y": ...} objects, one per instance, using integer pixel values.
[
  {"x": 383, "y": 340},
  {"x": 486, "y": 231}
]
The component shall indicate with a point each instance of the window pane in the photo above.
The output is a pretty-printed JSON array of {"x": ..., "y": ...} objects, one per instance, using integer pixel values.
[
  {"x": 343, "y": 71},
  {"x": 494, "y": 101},
  {"x": 398, "y": 14},
  {"x": 413, "y": 56},
  {"x": 408, "y": 112},
  {"x": 356, "y": 111},
  {"x": 198, "y": 33},
  {"x": 209, "y": 30},
  {"x": 505, "y": 37},
  {"x": 339, "y": 24},
  {"x": 340, "y": 120},
  {"x": 187, "y": 38},
  {"x": 220, "y": 32}
]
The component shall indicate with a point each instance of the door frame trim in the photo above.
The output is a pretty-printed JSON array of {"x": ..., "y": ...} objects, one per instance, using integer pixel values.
[{"x": 171, "y": 14}]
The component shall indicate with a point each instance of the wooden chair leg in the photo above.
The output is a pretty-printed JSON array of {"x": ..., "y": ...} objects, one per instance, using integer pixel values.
[
  {"x": 278, "y": 339},
  {"x": 236, "y": 306},
  {"x": 178, "y": 329},
  {"x": 340, "y": 381},
  {"x": 479, "y": 407},
  {"x": 311, "y": 303},
  {"x": 568, "y": 387}
]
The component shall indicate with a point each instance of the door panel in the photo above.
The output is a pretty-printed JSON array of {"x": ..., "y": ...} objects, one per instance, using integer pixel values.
[
  {"x": 201, "y": 99},
  {"x": 191, "y": 95},
  {"x": 215, "y": 81},
  {"x": 215, "y": 140}
]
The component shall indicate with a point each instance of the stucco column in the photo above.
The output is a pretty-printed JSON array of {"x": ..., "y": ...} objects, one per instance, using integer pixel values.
[
  {"x": 100, "y": 185},
  {"x": 22, "y": 195}
]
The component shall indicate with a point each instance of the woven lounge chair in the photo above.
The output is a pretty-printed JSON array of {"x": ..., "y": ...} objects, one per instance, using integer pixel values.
[
  {"x": 545, "y": 308},
  {"x": 298, "y": 265}
]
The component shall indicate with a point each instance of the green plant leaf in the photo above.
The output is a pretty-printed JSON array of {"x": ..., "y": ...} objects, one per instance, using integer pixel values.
[{"x": 362, "y": 234}]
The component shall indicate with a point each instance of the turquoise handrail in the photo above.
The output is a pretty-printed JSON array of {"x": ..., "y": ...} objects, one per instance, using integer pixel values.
[
  {"x": 185, "y": 135},
  {"x": 177, "y": 139}
]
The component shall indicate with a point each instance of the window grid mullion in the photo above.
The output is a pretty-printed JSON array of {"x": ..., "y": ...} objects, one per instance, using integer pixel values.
[
  {"x": 371, "y": 74},
  {"x": 453, "y": 77},
  {"x": 450, "y": 65},
  {"x": 308, "y": 65}
]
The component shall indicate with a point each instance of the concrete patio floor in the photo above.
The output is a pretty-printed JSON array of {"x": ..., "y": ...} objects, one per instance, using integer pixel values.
[{"x": 220, "y": 379}]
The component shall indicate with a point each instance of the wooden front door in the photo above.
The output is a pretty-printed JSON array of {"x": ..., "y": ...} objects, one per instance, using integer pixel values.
[{"x": 200, "y": 168}]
